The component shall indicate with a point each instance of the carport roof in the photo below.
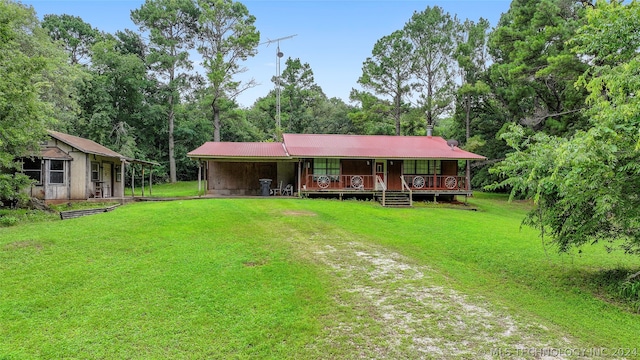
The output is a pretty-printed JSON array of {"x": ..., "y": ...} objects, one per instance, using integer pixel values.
[{"x": 247, "y": 150}]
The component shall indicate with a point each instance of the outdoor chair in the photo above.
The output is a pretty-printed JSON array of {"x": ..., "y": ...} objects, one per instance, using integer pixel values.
[
  {"x": 276, "y": 191},
  {"x": 288, "y": 190}
]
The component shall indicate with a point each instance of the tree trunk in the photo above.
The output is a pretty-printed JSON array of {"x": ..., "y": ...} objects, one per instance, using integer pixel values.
[
  {"x": 397, "y": 111},
  {"x": 467, "y": 109},
  {"x": 216, "y": 122},
  {"x": 172, "y": 157}
]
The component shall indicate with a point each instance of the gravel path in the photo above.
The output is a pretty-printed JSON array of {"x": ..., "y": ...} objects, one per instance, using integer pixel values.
[{"x": 390, "y": 308}]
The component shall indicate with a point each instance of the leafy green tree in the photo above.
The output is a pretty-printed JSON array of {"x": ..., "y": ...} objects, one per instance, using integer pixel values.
[
  {"x": 228, "y": 35},
  {"x": 331, "y": 117},
  {"x": 299, "y": 95},
  {"x": 172, "y": 25},
  {"x": 534, "y": 71},
  {"x": 585, "y": 187},
  {"x": 262, "y": 115},
  {"x": 432, "y": 34},
  {"x": 76, "y": 35},
  {"x": 29, "y": 65},
  {"x": 113, "y": 98},
  {"x": 388, "y": 72},
  {"x": 373, "y": 117},
  {"x": 471, "y": 55}
]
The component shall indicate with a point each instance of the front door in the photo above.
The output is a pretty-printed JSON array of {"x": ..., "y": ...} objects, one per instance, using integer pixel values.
[
  {"x": 380, "y": 172},
  {"x": 394, "y": 170}
]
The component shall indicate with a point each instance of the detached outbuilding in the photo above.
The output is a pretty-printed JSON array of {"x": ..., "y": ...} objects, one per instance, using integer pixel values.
[
  {"x": 340, "y": 165},
  {"x": 71, "y": 168}
]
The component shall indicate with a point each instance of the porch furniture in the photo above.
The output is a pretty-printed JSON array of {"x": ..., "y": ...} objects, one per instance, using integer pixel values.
[
  {"x": 276, "y": 191},
  {"x": 288, "y": 190},
  {"x": 97, "y": 189}
]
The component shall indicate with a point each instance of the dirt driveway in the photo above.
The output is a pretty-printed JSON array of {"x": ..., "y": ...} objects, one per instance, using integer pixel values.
[{"x": 390, "y": 308}]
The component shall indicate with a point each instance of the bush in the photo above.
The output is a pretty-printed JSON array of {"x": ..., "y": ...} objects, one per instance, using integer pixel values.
[{"x": 6, "y": 221}]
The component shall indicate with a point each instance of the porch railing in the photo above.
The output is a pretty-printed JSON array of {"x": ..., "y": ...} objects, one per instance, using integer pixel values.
[
  {"x": 411, "y": 183},
  {"x": 406, "y": 186},
  {"x": 381, "y": 185},
  {"x": 339, "y": 182},
  {"x": 435, "y": 182}
]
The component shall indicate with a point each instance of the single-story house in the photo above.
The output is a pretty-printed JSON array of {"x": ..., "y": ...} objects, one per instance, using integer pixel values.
[
  {"x": 337, "y": 164},
  {"x": 70, "y": 168}
]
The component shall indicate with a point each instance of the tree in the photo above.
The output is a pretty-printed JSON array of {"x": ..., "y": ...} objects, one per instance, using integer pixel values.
[
  {"x": 585, "y": 187},
  {"x": 534, "y": 71},
  {"x": 388, "y": 71},
  {"x": 76, "y": 35},
  {"x": 299, "y": 95},
  {"x": 471, "y": 55},
  {"x": 172, "y": 27},
  {"x": 432, "y": 34},
  {"x": 373, "y": 116},
  {"x": 29, "y": 63},
  {"x": 113, "y": 101},
  {"x": 228, "y": 36}
]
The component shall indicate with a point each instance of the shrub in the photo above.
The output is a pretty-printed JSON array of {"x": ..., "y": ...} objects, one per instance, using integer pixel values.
[{"x": 6, "y": 221}]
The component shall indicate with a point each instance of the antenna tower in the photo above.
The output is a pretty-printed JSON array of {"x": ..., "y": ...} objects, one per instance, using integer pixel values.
[{"x": 279, "y": 55}]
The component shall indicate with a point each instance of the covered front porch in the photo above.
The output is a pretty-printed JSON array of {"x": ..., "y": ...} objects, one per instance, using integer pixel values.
[{"x": 399, "y": 179}]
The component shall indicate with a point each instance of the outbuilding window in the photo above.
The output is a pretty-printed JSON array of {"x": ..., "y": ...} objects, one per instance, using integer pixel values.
[
  {"x": 33, "y": 169},
  {"x": 95, "y": 171},
  {"x": 56, "y": 171}
]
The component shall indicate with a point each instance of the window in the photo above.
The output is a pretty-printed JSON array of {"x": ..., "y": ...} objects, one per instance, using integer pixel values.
[
  {"x": 329, "y": 167},
  {"x": 56, "y": 172},
  {"x": 33, "y": 169},
  {"x": 95, "y": 171},
  {"x": 423, "y": 167},
  {"x": 326, "y": 167},
  {"x": 118, "y": 172}
]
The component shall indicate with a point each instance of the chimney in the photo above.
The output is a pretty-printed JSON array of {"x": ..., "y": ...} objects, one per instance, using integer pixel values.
[{"x": 429, "y": 130}]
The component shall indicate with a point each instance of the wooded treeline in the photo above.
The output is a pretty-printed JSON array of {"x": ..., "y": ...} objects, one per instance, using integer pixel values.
[{"x": 551, "y": 88}]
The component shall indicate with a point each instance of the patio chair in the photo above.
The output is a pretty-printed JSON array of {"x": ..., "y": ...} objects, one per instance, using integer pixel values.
[
  {"x": 288, "y": 190},
  {"x": 276, "y": 191}
]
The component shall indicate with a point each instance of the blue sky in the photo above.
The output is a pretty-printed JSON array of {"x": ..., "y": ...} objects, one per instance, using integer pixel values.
[{"x": 334, "y": 37}]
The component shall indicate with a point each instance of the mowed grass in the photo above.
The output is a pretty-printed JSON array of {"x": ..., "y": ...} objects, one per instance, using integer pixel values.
[
  {"x": 231, "y": 278},
  {"x": 179, "y": 189}
]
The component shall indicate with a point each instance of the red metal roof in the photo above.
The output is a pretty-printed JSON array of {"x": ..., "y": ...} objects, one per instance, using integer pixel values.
[
  {"x": 341, "y": 146},
  {"x": 374, "y": 146},
  {"x": 240, "y": 150}
]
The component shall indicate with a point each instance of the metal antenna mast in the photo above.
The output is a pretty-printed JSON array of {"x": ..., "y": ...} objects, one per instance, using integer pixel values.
[{"x": 279, "y": 55}]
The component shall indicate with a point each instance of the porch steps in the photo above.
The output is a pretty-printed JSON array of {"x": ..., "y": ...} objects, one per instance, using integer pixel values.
[{"x": 395, "y": 199}]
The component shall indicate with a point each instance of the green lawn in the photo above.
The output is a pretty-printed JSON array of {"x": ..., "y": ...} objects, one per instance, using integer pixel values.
[
  {"x": 244, "y": 278},
  {"x": 179, "y": 189}
]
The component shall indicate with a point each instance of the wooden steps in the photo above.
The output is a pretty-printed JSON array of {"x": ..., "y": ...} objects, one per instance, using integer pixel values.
[{"x": 395, "y": 199}]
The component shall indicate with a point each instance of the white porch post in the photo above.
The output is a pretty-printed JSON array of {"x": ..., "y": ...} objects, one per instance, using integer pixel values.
[
  {"x": 199, "y": 177},
  {"x": 133, "y": 180},
  {"x": 122, "y": 168}
]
